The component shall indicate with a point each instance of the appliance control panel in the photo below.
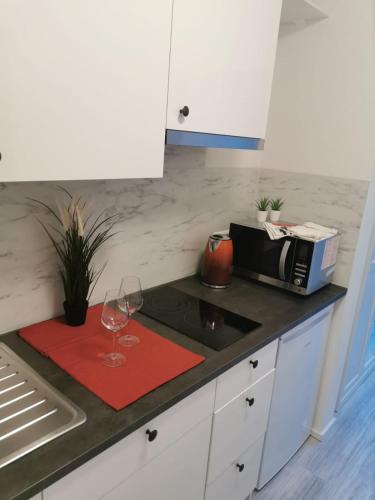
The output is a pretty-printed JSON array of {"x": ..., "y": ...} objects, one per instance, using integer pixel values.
[
  {"x": 299, "y": 273},
  {"x": 302, "y": 263}
]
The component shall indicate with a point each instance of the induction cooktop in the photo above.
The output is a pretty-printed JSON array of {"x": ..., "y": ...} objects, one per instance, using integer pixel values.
[{"x": 207, "y": 323}]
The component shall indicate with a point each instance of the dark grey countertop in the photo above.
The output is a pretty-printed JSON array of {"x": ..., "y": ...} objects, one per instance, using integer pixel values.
[{"x": 277, "y": 310}]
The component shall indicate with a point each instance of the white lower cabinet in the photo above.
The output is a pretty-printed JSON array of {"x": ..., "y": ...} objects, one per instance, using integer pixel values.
[
  {"x": 242, "y": 403},
  {"x": 240, "y": 478},
  {"x": 191, "y": 451},
  {"x": 239, "y": 424},
  {"x": 178, "y": 474},
  {"x": 209, "y": 446},
  {"x": 102, "y": 474}
]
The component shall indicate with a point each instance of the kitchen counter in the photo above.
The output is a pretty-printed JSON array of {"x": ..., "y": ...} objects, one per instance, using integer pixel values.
[{"x": 277, "y": 310}]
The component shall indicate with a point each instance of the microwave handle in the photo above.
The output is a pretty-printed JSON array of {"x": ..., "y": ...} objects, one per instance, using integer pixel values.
[{"x": 282, "y": 261}]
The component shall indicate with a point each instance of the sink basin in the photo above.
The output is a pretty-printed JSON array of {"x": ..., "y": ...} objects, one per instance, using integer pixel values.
[{"x": 32, "y": 412}]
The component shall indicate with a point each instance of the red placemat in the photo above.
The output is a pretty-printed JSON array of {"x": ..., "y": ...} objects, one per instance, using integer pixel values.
[{"x": 79, "y": 350}]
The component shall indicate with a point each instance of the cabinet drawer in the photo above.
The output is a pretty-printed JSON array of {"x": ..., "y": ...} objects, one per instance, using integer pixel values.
[
  {"x": 239, "y": 424},
  {"x": 245, "y": 373},
  {"x": 234, "y": 484},
  {"x": 101, "y": 474}
]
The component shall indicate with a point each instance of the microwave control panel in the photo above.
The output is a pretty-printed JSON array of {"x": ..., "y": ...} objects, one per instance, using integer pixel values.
[
  {"x": 299, "y": 274},
  {"x": 302, "y": 262}
]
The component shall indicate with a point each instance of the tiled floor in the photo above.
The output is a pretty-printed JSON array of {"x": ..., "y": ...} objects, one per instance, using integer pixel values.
[{"x": 342, "y": 467}]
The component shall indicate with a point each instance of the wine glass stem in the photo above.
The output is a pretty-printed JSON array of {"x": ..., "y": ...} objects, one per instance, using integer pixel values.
[
  {"x": 130, "y": 318},
  {"x": 114, "y": 343}
]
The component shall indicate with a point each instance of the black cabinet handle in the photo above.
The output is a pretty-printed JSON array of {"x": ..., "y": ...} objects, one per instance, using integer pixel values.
[
  {"x": 250, "y": 401},
  {"x": 240, "y": 467},
  {"x": 151, "y": 434},
  {"x": 185, "y": 111},
  {"x": 254, "y": 364}
]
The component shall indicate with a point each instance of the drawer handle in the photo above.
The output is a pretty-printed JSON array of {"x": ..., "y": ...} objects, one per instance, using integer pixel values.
[
  {"x": 151, "y": 434},
  {"x": 254, "y": 364},
  {"x": 250, "y": 401},
  {"x": 185, "y": 111},
  {"x": 240, "y": 467}
]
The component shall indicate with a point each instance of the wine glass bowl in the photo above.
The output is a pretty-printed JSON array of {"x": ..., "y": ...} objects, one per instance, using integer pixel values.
[
  {"x": 113, "y": 323},
  {"x": 115, "y": 316},
  {"x": 131, "y": 291}
]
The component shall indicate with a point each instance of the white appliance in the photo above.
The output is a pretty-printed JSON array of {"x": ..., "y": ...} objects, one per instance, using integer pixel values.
[{"x": 297, "y": 378}]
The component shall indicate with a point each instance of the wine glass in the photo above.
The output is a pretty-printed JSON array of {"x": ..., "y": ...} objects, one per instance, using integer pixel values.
[
  {"x": 132, "y": 291},
  {"x": 115, "y": 316}
]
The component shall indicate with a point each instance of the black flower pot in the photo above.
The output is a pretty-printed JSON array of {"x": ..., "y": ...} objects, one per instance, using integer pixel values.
[{"x": 75, "y": 315}]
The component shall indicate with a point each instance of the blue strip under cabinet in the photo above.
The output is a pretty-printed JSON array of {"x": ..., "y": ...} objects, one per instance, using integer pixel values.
[{"x": 203, "y": 140}]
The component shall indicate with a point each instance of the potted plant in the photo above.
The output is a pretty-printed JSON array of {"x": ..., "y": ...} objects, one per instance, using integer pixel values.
[
  {"x": 262, "y": 205},
  {"x": 276, "y": 206},
  {"x": 76, "y": 241}
]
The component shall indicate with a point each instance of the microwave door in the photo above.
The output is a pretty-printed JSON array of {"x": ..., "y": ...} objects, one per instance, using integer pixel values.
[
  {"x": 256, "y": 255},
  {"x": 277, "y": 259}
]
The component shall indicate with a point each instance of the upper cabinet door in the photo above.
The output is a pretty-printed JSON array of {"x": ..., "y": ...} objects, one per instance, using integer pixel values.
[
  {"x": 222, "y": 62},
  {"x": 83, "y": 88}
]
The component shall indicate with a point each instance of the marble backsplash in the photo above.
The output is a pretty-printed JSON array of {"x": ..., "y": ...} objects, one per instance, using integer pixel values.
[
  {"x": 331, "y": 201},
  {"x": 163, "y": 229},
  {"x": 164, "y": 224}
]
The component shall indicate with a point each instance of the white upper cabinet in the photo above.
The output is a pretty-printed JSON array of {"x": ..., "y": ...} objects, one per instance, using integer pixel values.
[
  {"x": 83, "y": 88},
  {"x": 222, "y": 61}
]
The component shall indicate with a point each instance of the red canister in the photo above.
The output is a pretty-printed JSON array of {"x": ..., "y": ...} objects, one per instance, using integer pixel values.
[{"x": 217, "y": 261}]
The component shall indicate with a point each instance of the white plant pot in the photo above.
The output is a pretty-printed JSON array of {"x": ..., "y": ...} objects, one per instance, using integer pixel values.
[
  {"x": 262, "y": 215},
  {"x": 275, "y": 215}
]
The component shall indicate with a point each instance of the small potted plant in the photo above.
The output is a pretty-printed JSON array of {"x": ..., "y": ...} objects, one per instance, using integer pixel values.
[
  {"x": 262, "y": 205},
  {"x": 276, "y": 206},
  {"x": 76, "y": 241}
]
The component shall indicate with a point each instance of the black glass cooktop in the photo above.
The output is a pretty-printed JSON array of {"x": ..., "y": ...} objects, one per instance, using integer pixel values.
[{"x": 211, "y": 325}]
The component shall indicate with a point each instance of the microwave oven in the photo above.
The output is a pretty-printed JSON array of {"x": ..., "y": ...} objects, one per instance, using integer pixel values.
[{"x": 292, "y": 263}]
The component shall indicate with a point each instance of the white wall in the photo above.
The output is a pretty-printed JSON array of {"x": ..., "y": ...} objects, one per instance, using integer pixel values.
[
  {"x": 355, "y": 361},
  {"x": 356, "y": 358},
  {"x": 322, "y": 123},
  {"x": 344, "y": 320},
  {"x": 322, "y": 114}
]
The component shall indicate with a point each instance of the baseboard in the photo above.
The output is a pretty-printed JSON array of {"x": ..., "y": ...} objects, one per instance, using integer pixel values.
[{"x": 319, "y": 435}]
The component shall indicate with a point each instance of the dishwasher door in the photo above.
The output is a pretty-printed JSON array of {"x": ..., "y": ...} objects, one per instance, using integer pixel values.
[{"x": 297, "y": 377}]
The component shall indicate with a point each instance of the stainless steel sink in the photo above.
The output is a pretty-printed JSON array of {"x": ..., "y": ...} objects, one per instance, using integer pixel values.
[{"x": 32, "y": 412}]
